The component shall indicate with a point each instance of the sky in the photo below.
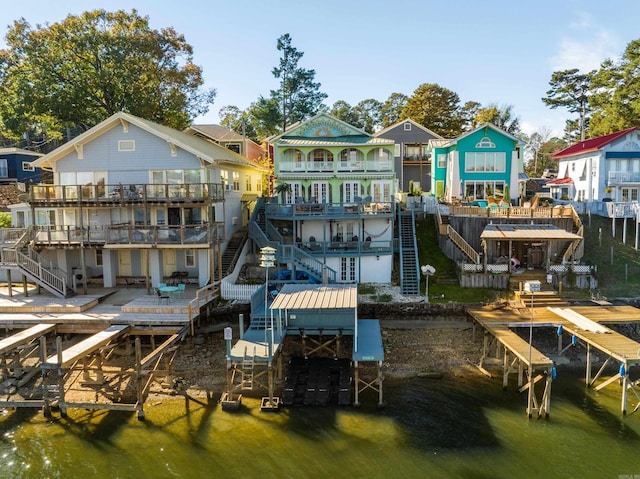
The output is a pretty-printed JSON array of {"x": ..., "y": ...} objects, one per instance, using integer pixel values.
[{"x": 494, "y": 52}]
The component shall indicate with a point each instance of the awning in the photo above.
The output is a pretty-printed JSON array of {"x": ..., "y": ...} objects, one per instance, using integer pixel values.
[
  {"x": 527, "y": 232},
  {"x": 248, "y": 197},
  {"x": 316, "y": 296}
]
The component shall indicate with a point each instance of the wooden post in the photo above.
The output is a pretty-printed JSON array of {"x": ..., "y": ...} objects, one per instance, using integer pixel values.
[
  {"x": 46, "y": 408},
  {"x": 505, "y": 369},
  {"x": 10, "y": 288},
  {"x": 356, "y": 383},
  {"x": 380, "y": 378},
  {"x": 61, "y": 403},
  {"x": 530, "y": 393},
  {"x": 588, "y": 372},
  {"x": 139, "y": 379},
  {"x": 625, "y": 388}
]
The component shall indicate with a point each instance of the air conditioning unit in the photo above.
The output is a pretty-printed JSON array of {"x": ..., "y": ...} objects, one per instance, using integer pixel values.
[{"x": 235, "y": 220}]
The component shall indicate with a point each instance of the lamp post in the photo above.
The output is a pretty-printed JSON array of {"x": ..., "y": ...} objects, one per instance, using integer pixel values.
[{"x": 427, "y": 270}]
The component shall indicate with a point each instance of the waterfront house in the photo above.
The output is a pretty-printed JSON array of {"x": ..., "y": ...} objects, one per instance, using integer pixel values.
[
  {"x": 135, "y": 200},
  {"x": 482, "y": 164},
  {"x": 16, "y": 166},
  {"x": 412, "y": 158},
  {"x": 606, "y": 167},
  {"x": 333, "y": 219}
]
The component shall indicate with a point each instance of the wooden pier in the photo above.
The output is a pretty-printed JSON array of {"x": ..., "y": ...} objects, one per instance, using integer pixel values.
[{"x": 585, "y": 325}]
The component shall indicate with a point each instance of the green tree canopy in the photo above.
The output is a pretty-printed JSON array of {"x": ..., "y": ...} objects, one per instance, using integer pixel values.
[
  {"x": 571, "y": 89},
  {"x": 77, "y": 72},
  {"x": 299, "y": 96},
  {"x": 391, "y": 110},
  {"x": 368, "y": 113},
  {"x": 436, "y": 108},
  {"x": 616, "y": 103},
  {"x": 500, "y": 116},
  {"x": 343, "y": 111}
]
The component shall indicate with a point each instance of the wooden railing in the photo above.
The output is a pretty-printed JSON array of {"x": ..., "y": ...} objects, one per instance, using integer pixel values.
[
  {"x": 573, "y": 246},
  {"x": 461, "y": 243},
  {"x": 203, "y": 296}
]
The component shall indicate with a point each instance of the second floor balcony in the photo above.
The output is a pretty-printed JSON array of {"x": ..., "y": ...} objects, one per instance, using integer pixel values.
[
  {"x": 146, "y": 236},
  {"x": 109, "y": 195},
  {"x": 615, "y": 178},
  {"x": 303, "y": 210}
]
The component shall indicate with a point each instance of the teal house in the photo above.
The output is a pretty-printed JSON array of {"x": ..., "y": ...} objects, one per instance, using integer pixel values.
[{"x": 483, "y": 164}]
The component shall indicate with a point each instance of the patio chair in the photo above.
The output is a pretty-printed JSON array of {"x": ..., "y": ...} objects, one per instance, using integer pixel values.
[
  {"x": 161, "y": 285},
  {"x": 174, "y": 278},
  {"x": 162, "y": 296},
  {"x": 181, "y": 289}
]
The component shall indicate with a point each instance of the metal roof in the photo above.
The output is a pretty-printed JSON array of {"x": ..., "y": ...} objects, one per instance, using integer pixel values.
[
  {"x": 316, "y": 296},
  {"x": 527, "y": 232},
  {"x": 334, "y": 141}
]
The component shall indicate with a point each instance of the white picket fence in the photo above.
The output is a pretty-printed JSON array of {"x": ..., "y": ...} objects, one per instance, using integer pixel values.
[{"x": 229, "y": 290}]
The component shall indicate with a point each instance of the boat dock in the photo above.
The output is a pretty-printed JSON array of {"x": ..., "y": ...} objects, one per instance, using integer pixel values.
[
  {"x": 97, "y": 351},
  {"x": 585, "y": 325}
]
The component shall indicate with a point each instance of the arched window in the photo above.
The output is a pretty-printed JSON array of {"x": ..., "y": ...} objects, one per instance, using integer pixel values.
[
  {"x": 321, "y": 160},
  {"x": 351, "y": 159},
  {"x": 293, "y": 160}
]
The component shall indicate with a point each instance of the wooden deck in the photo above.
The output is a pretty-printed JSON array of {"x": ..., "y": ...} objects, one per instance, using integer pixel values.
[
  {"x": 24, "y": 337},
  {"x": 82, "y": 349},
  {"x": 499, "y": 323}
]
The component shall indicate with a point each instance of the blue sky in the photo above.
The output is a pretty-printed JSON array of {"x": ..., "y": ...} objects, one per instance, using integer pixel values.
[{"x": 497, "y": 51}]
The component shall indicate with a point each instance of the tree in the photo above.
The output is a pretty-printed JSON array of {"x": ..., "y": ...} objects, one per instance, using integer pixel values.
[
  {"x": 343, "y": 111},
  {"x": 469, "y": 112},
  {"x": 500, "y": 116},
  {"x": 368, "y": 113},
  {"x": 616, "y": 103},
  {"x": 265, "y": 116},
  {"x": 232, "y": 118},
  {"x": 391, "y": 110},
  {"x": 436, "y": 108},
  {"x": 78, "y": 72},
  {"x": 299, "y": 97},
  {"x": 283, "y": 189},
  {"x": 5, "y": 220},
  {"x": 534, "y": 144},
  {"x": 571, "y": 89}
]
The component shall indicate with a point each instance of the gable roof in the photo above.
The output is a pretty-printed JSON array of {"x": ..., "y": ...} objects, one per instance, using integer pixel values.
[
  {"x": 300, "y": 127},
  {"x": 592, "y": 144},
  {"x": 402, "y": 122},
  {"x": 203, "y": 149},
  {"x": 18, "y": 151},
  {"x": 493, "y": 127}
]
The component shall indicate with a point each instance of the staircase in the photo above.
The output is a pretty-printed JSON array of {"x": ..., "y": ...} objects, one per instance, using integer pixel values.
[
  {"x": 409, "y": 274},
  {"x": 231, "y": 253},
  {"x": 24, "y": 259}
]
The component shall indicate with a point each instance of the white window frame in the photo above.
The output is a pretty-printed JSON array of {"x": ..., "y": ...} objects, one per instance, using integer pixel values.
[
  {"x": 320, "y": 191},
  {"x": 236, "y": 180},
  {"x": 485, "y": 162},
  {"x": 126, "y": 145},
  {"x": 347, "y": 270},
  {"x": 190, "y": 258},
  {"x": 381, "y": 191},
  {"x": 442, "y": 160},
  {"x": 4, "y": 168},
  {"x": 350, "y": 189},
  {"x": 27, "y": 166}
]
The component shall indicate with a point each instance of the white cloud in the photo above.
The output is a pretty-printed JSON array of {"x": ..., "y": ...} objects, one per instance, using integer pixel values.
[{"x": 586, "y": 53}]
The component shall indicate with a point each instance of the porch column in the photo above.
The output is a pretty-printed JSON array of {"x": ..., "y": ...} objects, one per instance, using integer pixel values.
[
  {"x": 155, "y": 266},
  {"x": 204, "y": 273},
  {"x": 109, "y": 267}
]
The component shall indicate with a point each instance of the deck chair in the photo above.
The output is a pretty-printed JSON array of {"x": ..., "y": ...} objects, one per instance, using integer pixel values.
[
  {"x": 162, "y": 296},
  {"x": 181, "y": 289}
]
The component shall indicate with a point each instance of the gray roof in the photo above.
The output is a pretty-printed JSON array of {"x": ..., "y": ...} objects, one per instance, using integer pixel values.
[
  {"x": 524, "y": 232},
  {"x": 316, "y": 296}
]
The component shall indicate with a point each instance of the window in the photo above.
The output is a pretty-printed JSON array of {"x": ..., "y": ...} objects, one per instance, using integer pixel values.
[
  {"x": 4, "y": 169},
  {"x": 224, "y": 179},
  {"x": 319, "y": 192},
  {"x": 483, "y": 189},
  {"x": 350, "y": 189},
  {"x": 98, "y": 257},
  {"x": 381, "y": 191},
  {"x": 126, "y": 145},
  {"x": 485, "y": 143},
  {"x": 442, "y": 160},
  {"x": 190, "y": 258},
  {"x": 485, "y": 162},
  {"x": 259, "y": 185},
  {"x": 247, "y": 183},
  {"x": 407, "y": 126},
  {"x": 235, "y": 147},
  {"x": 27, "y": 166},
  {"x": 236, "y": 181}
]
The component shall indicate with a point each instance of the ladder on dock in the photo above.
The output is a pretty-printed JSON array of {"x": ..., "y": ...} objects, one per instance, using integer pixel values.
[{"x": 248, "y": 367}]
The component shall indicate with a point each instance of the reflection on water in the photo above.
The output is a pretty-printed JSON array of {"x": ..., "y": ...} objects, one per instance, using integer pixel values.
[{"x": 448, "y": 428}]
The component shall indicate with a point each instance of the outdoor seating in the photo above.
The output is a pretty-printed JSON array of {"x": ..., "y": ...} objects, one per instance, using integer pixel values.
[
  {"x": 181, "y": 289},
  {"x": 161, "y": 285},
  {"x": 162, "y": 295}
]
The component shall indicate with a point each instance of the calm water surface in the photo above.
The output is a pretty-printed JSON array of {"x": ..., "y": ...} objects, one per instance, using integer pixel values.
[{"x": 430, "y": 428}]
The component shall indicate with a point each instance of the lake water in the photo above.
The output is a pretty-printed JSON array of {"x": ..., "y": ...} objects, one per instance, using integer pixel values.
[{"x": 449, "y": 428}]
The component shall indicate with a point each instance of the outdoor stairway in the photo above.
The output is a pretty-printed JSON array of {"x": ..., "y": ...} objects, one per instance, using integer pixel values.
[
  {"x": 409, "y": 275},
  {"x": 231, "y": 252},
  {"x": 24, "y": 259}
]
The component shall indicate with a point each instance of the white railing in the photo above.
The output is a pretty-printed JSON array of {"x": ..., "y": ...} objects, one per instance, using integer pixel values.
[
  {"x": 478, "y": 268},
  {"x": 576, "y": 268},
  {"x": 239, "y": 292},
  {"x": 615, "y": 177}
]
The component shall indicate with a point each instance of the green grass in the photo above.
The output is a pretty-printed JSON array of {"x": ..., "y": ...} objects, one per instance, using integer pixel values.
[
  {"x": 443, "y": 285},
  {"x": 618, "y": 265}
]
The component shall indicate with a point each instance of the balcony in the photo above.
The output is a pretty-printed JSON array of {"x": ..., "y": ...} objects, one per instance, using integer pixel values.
[
  {"x": 149, "y": 236},
  {"x": 616, "y": 178},
  {"x": 349, "y": 247},
  {"x": 109, "y": 195},
  {"x": 301, "y": 211}
]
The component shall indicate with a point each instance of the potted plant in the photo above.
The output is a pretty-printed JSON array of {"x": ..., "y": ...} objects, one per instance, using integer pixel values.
[{"x": 283, "y": 189}]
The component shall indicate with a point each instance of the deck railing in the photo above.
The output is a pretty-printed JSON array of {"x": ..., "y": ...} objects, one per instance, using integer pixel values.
[
  {"x": 154, "y": 235},
  {"x": 131, "y": 193},
  {"x": 461, "y": 243},
  {"x": 303, "y": 210}
]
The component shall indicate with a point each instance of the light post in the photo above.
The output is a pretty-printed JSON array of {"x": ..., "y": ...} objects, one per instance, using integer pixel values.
[
  {"x": 267, "y": 260},
  {"x": 427, "y": 270}
]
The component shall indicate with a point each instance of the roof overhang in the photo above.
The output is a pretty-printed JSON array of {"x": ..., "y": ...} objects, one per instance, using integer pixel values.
[{"x": 518, "y": 232}]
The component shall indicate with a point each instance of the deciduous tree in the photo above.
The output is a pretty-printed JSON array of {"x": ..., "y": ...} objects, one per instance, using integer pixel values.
[{"x": 79, "y": 71}]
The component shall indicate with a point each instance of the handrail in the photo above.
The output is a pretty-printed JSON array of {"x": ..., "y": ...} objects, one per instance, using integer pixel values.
[
  {"x": 573, "y": 246},
  {"x": 300, "y": 257},
  {"x": 461, "y": 243},
  {"x": 203, "y": 296}
]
